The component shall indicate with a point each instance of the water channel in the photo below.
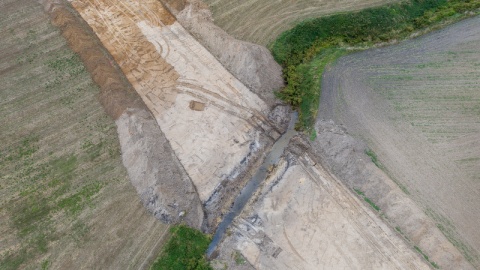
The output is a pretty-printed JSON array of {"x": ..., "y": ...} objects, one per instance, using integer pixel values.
[{"x": 272, "y": 158}]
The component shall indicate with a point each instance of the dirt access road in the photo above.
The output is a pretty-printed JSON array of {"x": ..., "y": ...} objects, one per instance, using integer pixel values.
[
  {"x": 199, "y": 106},
  {"x": 417, "y": 105}
]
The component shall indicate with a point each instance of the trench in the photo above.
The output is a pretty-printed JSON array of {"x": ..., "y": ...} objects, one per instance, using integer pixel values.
[{"x": 246, "y": 193}]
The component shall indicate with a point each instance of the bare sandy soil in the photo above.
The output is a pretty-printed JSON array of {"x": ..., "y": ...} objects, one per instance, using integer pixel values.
[
  {"x": 261, "y": 21},
  {"x": 304, "y": 218},
  {"x": 416, "y": 105},
  {"x": 65, "y": 198}
]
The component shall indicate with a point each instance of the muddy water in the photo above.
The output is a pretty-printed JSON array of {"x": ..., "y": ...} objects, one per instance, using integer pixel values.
[{"x": 272, "y": 158}]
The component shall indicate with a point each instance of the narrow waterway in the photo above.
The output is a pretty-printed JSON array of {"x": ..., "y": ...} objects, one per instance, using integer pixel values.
[{"x": 272, "y": 158}]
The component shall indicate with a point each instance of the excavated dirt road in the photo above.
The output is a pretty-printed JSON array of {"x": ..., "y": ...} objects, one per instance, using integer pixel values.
[{"x": 215, "y": 125}]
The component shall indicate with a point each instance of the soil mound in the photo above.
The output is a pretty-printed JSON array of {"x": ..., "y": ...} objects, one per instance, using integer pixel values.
[
  {"x": 252, "y": 64},
  {"x": 116, "y": 95}
]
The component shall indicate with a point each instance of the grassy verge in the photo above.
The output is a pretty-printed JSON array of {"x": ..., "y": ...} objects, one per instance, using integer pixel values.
[
  {"x": 185, "y": 250},
  {"x": 308, "y": 48}
]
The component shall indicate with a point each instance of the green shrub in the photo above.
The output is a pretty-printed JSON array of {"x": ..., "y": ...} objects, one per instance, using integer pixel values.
[{"x": 184, "y": 251}]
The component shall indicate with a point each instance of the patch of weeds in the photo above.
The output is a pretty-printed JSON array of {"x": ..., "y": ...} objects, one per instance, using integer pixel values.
[
  {"x": 374, "y": 158},
  {"x": 372, "y": 204},
  {"x": 80, "y": 232},
  {"x": 13, "y": 261},
  {"x": 185, "y": 250},
  {"x": 40, "y": 242},
  {"x": 426, "y": 257},
  {"x": 29, "y": 212},
  {"x": 64, "y": 166},
  {"x": 26, "y": 148},
  {"x": 238, "y": 257},
  {"x": 76, "y": 202},
  {"x": 313, "y": 134},
  {"x": 45, "y": 265},
  {"x": 71, "y": 66},
  {"x": 359, "y": 192},
  {"x": 368, "y": 200}
]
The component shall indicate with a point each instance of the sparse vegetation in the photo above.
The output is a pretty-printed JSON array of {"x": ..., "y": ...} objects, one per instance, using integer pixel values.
[
  {"x": 448, "y": 229},
  {"x": 426, "y": 257},
  {"x": 184, "y": 251},
  {"x": 308, "y": 48},
  {"x": 368, "y": 200}
]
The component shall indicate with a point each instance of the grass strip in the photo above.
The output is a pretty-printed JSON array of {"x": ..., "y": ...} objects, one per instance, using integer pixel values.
[{"x": 305, "y": 50}]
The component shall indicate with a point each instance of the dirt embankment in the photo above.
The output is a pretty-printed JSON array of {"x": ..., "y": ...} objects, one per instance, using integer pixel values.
[
  {"x": 170, "y": 196},
  {"x": 252, "y": 64}
]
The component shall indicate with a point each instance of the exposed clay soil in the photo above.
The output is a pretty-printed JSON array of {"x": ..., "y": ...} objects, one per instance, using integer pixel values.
[
  {"x": 416, "y": 105},
  {"x": 116, "y": 93}
]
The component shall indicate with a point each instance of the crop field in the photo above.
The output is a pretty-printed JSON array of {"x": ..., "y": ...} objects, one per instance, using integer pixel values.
[
  {"x": 65, "y": 198},
  {"x": 261, "y": 21},
  {"x": 417, "y": 105}
]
